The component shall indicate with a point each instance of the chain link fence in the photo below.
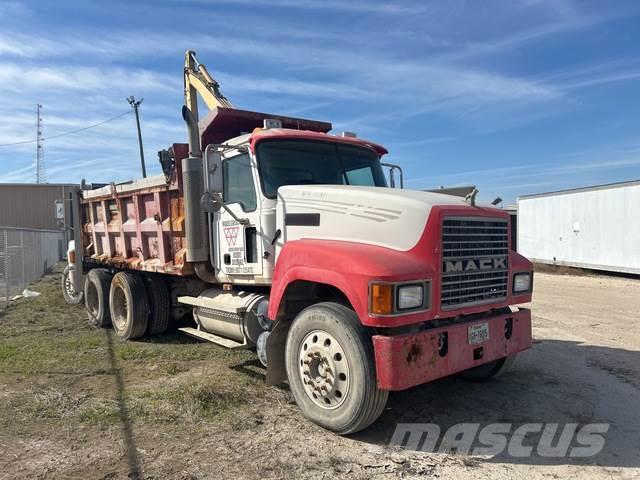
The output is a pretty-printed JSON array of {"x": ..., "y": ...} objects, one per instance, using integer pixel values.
[{"x": 25, "y": 256}]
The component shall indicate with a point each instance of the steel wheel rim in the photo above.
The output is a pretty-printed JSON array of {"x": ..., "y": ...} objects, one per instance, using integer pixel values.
[
  {"x": 119, "y": 309},
  {"x": 68, "y": 286},
  {"x": 324, "y": 369}
]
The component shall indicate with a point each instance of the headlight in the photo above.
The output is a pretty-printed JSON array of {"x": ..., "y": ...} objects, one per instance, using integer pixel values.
[
  {"x": 521, "y": 282},
  {"x": 410, "y": 296}
]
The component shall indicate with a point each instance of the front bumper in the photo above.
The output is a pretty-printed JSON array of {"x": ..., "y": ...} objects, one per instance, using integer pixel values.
[{"x": 403, "y": 361}]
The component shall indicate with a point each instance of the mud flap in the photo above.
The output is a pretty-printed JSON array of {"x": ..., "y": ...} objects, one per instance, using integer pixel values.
[{"x": 276, "y": 369}]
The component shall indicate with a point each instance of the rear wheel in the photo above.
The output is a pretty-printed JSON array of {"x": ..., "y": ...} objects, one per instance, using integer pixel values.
[
  {"x": 128, "y": 305},
  {"x": 96, "y": 294},
  {"x": 159, "y": 304},
  {"x": 487, "y": 371},
  {"x": 71, "y": 295},
  {"x": 331, "y": 369}
]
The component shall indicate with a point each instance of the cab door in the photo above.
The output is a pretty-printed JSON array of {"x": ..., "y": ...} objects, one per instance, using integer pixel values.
[{"x": 239, "y": 252}]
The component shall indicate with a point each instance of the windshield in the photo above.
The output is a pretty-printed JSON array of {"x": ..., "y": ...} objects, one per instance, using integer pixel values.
[{"x": 295, "y": 162}]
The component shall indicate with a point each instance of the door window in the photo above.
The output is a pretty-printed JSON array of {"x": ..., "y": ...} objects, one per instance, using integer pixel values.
[
  {"x": 238, "y": 182},
  {"x": 360, "y": 176}
]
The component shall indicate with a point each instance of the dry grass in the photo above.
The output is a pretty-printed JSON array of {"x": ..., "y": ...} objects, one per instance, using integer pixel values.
[{"x": 60, "y": 369}]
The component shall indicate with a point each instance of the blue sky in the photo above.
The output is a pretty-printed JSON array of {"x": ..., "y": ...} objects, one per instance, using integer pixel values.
[{"x": 517, "y": 96}]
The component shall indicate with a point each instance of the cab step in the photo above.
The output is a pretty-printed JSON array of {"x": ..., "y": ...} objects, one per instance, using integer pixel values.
[{"x": 210, "y": 337}]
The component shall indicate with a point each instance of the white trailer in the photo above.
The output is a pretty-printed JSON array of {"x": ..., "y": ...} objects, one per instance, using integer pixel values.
[{"x": 594, "y": 227}]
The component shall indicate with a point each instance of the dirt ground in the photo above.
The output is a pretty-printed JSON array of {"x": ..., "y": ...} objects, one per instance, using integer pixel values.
[{"x": 77, "y": 403}]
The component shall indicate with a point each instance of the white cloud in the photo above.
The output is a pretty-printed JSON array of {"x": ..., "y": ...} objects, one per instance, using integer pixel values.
[
  {"x": 21, "y": 174},
  {"x": 19, "y": 77}
]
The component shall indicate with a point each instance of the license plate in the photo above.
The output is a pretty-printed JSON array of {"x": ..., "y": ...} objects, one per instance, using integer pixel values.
[{"x": 478, "y": 333}]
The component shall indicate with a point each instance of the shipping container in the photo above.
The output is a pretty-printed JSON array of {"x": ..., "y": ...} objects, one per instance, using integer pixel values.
[{"x": 594, "y": 227}]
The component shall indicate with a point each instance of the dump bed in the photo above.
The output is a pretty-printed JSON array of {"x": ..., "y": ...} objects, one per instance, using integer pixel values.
[{"x": 138, "y": 225}]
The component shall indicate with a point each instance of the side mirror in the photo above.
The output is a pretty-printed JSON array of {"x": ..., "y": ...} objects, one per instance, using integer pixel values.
[
  {"x": 210, "y": 203},
  {"x": 212, "y": 169}
]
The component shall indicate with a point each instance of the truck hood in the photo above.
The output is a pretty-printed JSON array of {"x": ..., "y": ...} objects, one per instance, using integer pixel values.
[{"x": 387, "y": 217}]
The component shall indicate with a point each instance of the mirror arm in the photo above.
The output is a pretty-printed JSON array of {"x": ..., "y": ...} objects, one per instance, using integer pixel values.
[
  {"x": 241, "y": 221},
  {"x": 392, "y": 167},
  {"x": 212, "y": 202}
]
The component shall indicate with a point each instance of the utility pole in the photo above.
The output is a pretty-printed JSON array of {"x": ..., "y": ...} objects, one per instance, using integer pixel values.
[
  {"x": 40, "y": 177},
  {"x": 135, "y": 105}
]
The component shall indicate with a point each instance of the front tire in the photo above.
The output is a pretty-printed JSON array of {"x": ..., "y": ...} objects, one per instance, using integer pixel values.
[
  {"x": 72, "y": 296},
  {"x": 331, "y": 369},
  {"x": 128, "y": 305}
]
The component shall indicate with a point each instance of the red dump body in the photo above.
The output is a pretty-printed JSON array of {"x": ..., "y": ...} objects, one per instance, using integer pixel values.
[{"x": 138, "y": 225}]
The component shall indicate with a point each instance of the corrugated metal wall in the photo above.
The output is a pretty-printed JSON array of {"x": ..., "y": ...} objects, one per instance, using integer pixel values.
[
  {"x": 32, "y": 206},
  {"x": 595, "y": 228}
]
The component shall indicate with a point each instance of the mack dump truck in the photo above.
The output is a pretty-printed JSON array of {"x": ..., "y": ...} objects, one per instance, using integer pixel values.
[{"x": 274, "y": 234}]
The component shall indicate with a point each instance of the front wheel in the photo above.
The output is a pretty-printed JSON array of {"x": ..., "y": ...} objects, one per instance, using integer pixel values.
[
  {"x": 72, "y": 295},
  {"x": 331, "y": 369}
]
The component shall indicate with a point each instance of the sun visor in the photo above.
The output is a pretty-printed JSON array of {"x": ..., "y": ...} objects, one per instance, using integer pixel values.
[{"x": 221, "y": 124}]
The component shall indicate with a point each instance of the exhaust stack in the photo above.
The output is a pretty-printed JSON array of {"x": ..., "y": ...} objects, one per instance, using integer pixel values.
[{"x": 193, "y": 188}]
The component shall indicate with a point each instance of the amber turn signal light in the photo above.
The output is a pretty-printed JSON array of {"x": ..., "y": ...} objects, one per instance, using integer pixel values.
[{"x": 381, "y": 298}]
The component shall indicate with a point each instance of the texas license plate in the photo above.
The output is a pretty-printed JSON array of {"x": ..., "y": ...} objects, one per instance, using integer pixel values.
[{"x": 478, "y": 333}]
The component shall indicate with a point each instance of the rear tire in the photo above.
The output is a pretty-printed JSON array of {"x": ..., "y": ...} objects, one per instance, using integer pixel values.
[
  {"x": 72, "y": 296},
  {"x": 96, "y": 294},
  {"x": 331, "y": 369},
  {"x": 488, "y": 371},
  {"x": 128, "y": 305},
  {"x": 159, "y": 305}
]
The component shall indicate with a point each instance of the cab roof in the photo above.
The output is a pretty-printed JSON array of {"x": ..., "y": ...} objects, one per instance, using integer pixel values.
[
  {"x": 227, "y": 124},
  {"x": 291, "y": 134},
  {"x": 222, "y": 124}
]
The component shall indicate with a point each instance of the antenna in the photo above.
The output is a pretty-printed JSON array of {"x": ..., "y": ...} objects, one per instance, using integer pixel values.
[{"x": 40, "y": 176}]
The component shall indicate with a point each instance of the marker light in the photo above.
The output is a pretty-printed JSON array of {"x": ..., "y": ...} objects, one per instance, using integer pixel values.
[{"x": 381, "y": 298}]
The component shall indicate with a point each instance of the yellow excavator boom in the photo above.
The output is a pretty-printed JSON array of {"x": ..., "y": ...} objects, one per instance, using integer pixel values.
[{"x": 198, "y": 80}]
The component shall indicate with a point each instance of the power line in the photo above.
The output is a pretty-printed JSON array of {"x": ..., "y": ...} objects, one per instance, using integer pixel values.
[
  {"x": 90, "y": 126},
  {"x": 23, "y": 142}
]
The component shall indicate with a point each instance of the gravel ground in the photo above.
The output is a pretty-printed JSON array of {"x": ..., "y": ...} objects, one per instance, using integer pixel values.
[{"x": 76, "y": 403}]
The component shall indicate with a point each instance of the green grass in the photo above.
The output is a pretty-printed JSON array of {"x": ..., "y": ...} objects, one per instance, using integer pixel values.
[
  {"x": 40, "y": 353},
  {"x": 7, "y": 353},
  {"x": 101, "y": 415}
]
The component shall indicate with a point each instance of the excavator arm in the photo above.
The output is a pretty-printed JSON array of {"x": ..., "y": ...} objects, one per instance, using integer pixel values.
[{"x": 198, "y": 80}]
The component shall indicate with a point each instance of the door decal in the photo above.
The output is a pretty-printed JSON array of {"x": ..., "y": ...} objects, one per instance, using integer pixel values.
[{"x": 231, "y": 234}]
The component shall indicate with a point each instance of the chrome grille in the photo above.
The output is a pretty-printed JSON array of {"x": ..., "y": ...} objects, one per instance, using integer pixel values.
[{"x": 475, "y": 261}]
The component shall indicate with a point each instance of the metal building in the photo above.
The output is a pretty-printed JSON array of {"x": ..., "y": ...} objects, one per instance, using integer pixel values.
[
  {"x": 35, "y": 225},
  {"x": 30, "y": 205},
  {"x": 594, "y": 227}
]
